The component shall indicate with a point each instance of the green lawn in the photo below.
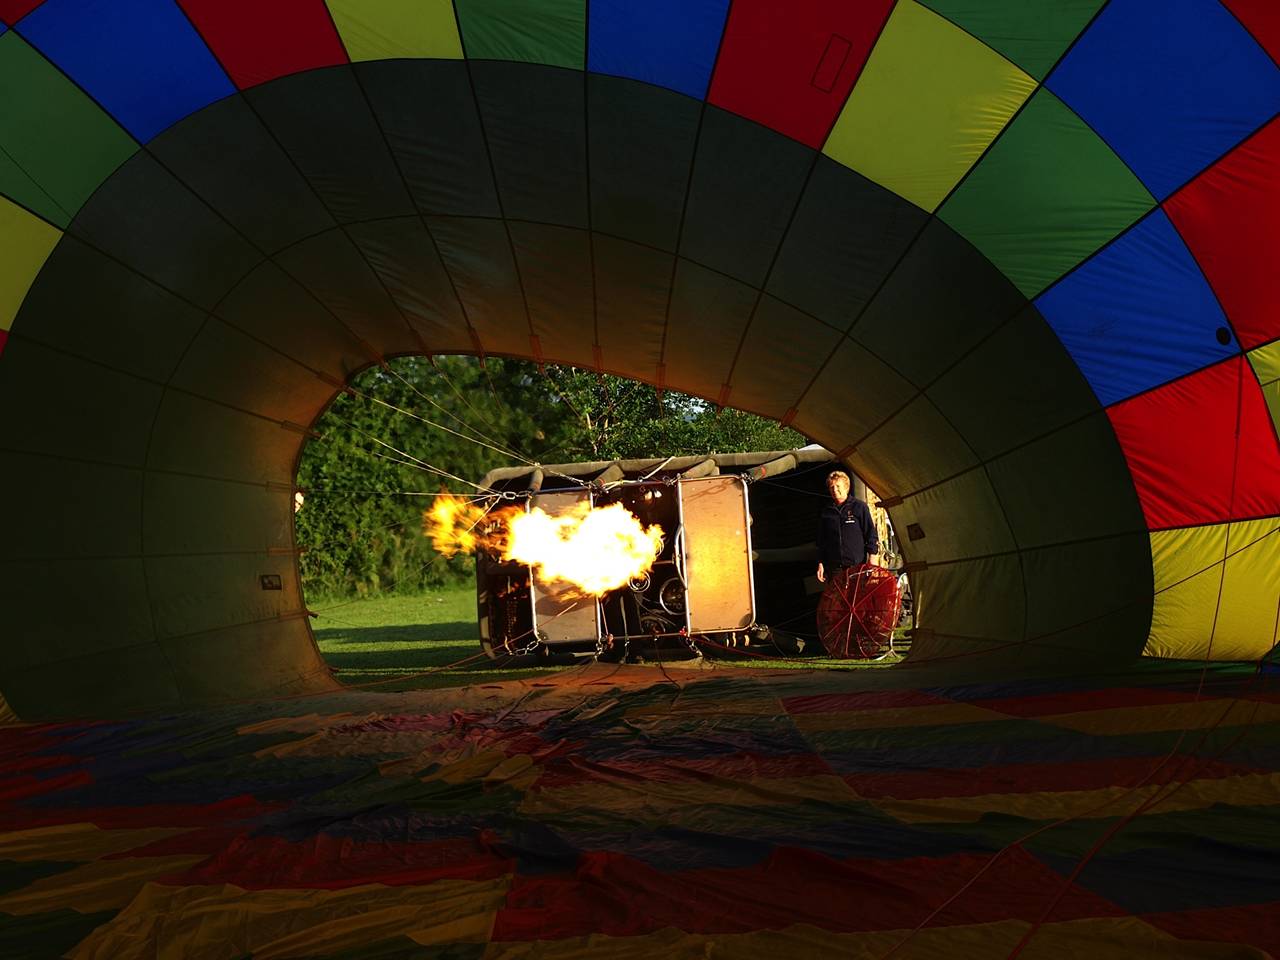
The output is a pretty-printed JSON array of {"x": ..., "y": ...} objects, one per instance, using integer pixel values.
[{"x": 390, "y": 637}]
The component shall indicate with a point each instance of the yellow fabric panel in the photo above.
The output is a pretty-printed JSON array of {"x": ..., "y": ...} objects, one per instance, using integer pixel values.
[
  {"x": 929, "y": 101},
  {"x": 1252, "y": 789},
  {"x": 25, "y": 244},
  {"x": 6, "y": 712},
  {"x": 1189, "y": 570},
  {"x": 226, "y": 922},
  {"x": 98, "y": 885},
  {"x": 389, "y": 29},
  {"x": 76, "y": 841},
  {"x": 1266, "y": 364}
]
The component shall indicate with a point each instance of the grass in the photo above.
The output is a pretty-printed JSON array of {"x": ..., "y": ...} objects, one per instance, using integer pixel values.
[{"x": 383, "y": 638}]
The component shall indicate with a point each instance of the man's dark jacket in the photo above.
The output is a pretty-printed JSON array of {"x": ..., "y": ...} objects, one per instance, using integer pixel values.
[{"x": 846, "y": 535}]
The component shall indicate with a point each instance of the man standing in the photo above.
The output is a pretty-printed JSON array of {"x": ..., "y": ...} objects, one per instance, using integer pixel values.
[{"x": 846, "y": 534}]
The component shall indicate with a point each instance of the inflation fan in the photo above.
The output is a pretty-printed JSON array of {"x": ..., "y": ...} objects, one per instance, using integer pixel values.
[{"x": 858, "y": 611}]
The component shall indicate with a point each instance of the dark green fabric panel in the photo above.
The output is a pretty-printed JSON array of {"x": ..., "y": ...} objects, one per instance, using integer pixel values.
[
  {"x": 979, "y": 599},
  {"x": 323, "y": 120},
  {"x": 51, "y": 934},
  {"x": 232, "y": 517},
  {"x": 90, "y": 305},
  {"x": 1092, "y": 598},
  {"x": 1071, "y": 485},
  {"x": 146, "y": 218},
  {"x": 709, "y": 311},
  {"x": 746, "y": 181},
  {"x": 555, "y": 267},
  {"x": 284, "y": 657},
  {"x": 139, "y": 678},
  {"x": 1047, "y": 195},
  {"x": 260, "y": 192},
  {"x": 88, "y": 510},
  {"x": 853, "y": 393},
  {"x": 776, "y": 360},
  {"x": 533, "y": 31},
  {"x": 959, "y": 518},
  {"x": 58, "y": 144},
  {"x": 641, "y": 141},
  {"x": 427, "y": 110},
  {"x": 1016, "y": 385},
  {"x": 53, "y": 606},
  {"x": 403, "y": 254},
  {"x": 936, "y": 451},
  {"x": 227, "y": 365},
  {"x": 477, "y": 254},
  {"x": 1031, "y": 33},
  {"x": 70, "y": 407},
  {"x": 203, "y": 438},
  {"x": 632, "y": 287},
  {"x": 332, "y": 267},
  {"x": 942, "y": 299},
  {"x": 275, "y": 308},
  {"x": 847, "y": 235},
  {"x": 535, "y": 122},
  {"x": 215, "y": 592}
]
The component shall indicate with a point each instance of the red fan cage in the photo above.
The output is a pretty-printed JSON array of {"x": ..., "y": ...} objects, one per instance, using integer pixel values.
[{"x": 858, "y": 611}]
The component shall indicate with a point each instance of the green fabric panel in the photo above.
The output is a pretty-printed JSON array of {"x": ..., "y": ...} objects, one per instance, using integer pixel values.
[
  {"x": 928, "y": 102},
  {"x": 555, "y": 268},
  {"x": 1031, "y": 33},
  {"x": 1091, "y": 598},
  {"x": 709, "y": 311},
  {"x": 273, "y": 307},
  {"x": 332, "y": 267},
  {"x": 68, "y": 404},
  {"x": 641, "y": 140},
  {"x": 57, "y": 144},
  {"x": 200, "y": 437},
  {"x": 233, "y": 517},
  {"x": 938, "y": 452},
  {"x": 1047, "y": 195},
  {"x": 959, "y": 518},
  {"x": 44, "y": 935},
  {"x": 437, "y": 140},
  {"x": 477, "y": 254},
  {"x": 854, "y": 392},
  {"x": 533, "y": 31},
  {"x": 947, "y": 600},
  {"x": 262, "y": 193},
  {"x": 776, "y": 361},
  {"x": 633, "y": 285},
  {"x": 137, "y": 326},
  {"x": 940, "y": 301},
  {"x": 14, "y": 875},
  {"x": 393, "y": 29},
  {"x": 402, "y": 253},
  {"x": 1266, "y": 365},
  {"x": 97, "y": 509},
  {"x": 206, "y": 593},
  {"x": 847, "y": 235},
  {"x": 1071, "y": 485},
  {"x": 534, "y": 121},
  {"x": 1017, "y": 384}
]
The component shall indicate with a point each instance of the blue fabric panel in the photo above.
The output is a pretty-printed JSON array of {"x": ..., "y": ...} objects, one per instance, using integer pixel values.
[
  {"x": 1138, "y": 314},
  {"x": 669, "y": 43},
  {"x": 141, "y": 59},
  {"x": 3, "y": 28},
  {"x": 1171, "y": 85}
]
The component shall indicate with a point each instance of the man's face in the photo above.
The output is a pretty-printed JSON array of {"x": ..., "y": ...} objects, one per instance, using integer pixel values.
[{"x": 839, "y": 488}]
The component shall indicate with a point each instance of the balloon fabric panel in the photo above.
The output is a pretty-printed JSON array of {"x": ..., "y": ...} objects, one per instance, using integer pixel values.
[
  {"x": 671, "y": 43},
  {"x": 1031, "y": 33}
]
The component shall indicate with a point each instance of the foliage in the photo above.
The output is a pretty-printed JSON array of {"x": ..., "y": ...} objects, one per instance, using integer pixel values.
[{"x": 383, "y": 446}]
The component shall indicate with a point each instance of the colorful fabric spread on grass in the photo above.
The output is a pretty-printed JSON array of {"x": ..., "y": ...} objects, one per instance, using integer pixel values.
[{"x": 650, "y": 812}]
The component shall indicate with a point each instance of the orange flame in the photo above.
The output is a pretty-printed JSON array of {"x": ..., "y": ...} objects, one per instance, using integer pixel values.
[{"x": 596, "y": 549}]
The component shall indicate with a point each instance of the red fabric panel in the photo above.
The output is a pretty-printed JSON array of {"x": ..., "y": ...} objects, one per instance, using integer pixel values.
[
  {"x": 847, "y": 702},
  {"x": 1228, "y": 216},
  {"x": 1033, "y": 778},
  {"x": 1257, "y": 924},
  {"x": 617, "y": 896},
  {"x": 739, "y": 766},
  {"x": 1079, "y": 701},
  {"x": 257, "y": 42},
  {"x": 1183, "y": 448},
  {"x": 4, "y": 338},
  {"x": 20, "y": 817},
  {"x": 11, "y": 11},
  {"x": 775, "y": 64},
  {"x": 1262, "y": 19}
]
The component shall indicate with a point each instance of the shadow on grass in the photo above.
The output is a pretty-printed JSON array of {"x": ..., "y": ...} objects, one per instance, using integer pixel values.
[
  {"x": 403, "y": 660},
  {"x": 411, "y": 633}
]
